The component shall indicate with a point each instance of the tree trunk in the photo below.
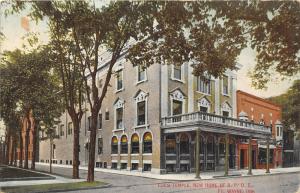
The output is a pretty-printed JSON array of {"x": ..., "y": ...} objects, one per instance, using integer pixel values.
[
  {"x": 76, "y": 148},
  {"x": 91, "y": 166},
  {"x": 21, "y": 150},
  {"x": 51, "y": 146},
  {"x": 27, "y": 142},
  {"x": 12, "y": 151},
  {"x": 34, "y": 145},
  {"x": 7, "y": 149},
  {"x": 15, "y": 152}
]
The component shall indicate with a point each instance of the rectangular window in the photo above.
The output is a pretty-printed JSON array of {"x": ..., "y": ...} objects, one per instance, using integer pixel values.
[
  {"x": 203, "y": 85},
  {"x": 89, "y": 123},
  {"x": 225, "y": 85},
  {"x": 177, "y": 72},
  {"x": 119, "y": 80},
  {"x": 100, "y": 121},
  {"x": 141, "y": 113},
  {"x": 225, "y": 114},
  {"x": 177, "y": 107},
  {"x": 70, "y": 128},
  {"x": 107, "y": 115},
  {"x": 61, "y": 130},
  {"x": 141, "y": 73},
  {"x": 100, "y": 145},
  {"x": 203, "y": 109},
  {"x": 119, "y": 118}
]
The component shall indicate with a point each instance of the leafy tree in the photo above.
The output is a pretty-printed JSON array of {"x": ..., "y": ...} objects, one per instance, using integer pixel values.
[
  {"x": 290, "y": 103},
  {"x": 209, "y": 35},
  {"x": 29, "y": 80}
]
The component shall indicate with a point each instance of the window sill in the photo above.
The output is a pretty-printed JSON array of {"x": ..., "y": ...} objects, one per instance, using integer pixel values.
[
  {"x": 124, "y": 154},
  {"x": 135, "y": 154},
  {"x": 147, "y": 154},
  {"x": 178, "y": 80},
  {"x": 225, "y": 94},
  {"x": 114, "y": 154},
  {"x": 141, "y": 126},
  {"x": 203, "y": 93},
  {"x": 141, "y": 81},
  {"x": 116, "y": 130},
  {"x": 119, "y": 90}
]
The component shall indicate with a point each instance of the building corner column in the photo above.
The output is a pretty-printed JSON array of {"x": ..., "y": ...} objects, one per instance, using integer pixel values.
[
  {"x": 197, "y": 154},
  {"x": 250, "y": 156}
]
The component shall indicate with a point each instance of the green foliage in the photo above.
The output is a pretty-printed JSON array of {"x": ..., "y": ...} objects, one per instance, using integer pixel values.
[
  {"x": 28, "y": 83},
  {"x": 290, "y": 103}
]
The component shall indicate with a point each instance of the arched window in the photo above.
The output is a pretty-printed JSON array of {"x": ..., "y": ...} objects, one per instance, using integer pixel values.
[
  {"x": 184, "y": 144},
  {"x": 171, "y": 144},
  {"x": 114, "y": 145},
  {"x": 124, "y": 144},
  {"x": 147, "y": 143},
  {"x": 135, "y": 143}
]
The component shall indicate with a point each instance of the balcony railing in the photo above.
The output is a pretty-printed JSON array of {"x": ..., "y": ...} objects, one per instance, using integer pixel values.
[{"x": 212, "y": 118}]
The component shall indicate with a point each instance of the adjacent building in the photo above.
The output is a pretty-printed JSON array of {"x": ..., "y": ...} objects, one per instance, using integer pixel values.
[
  {"x": 258, "y": 110},
  {"x": 149, "y": 118}
]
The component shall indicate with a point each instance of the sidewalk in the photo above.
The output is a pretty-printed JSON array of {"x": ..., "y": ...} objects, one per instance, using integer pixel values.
[
  {"x": 58, "y": 179},
  {"x": 187, "y": 176}
]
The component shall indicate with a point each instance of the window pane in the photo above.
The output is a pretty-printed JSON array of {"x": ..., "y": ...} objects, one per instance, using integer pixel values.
[
  {"x": 203, "y": 109},
  {"x": 177, "y": 107},
  {"x": 100, "y": 121},
  {"x": 141, "y": 73},
  {"x": 225, "y": 85},
  {"x": 119, "y": 120},
  {"x": 203, "y": 85},
  {"x": 177, "y": 72},
  {"x": 100, "y": 145},
  {"x": 119, "y": 80},
  {"x": 141, "y": 112}
]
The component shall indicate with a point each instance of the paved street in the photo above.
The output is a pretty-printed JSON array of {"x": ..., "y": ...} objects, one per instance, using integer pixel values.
[{"x": 279, "y": 183}]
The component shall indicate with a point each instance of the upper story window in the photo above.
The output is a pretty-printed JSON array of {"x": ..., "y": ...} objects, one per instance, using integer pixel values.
[
  {"x": 177, "y": 72},
  {"x": 177, "y": 102},
  {"x": 225, "y": 85},
  {"x": 89, "y": 123},
  {"x": 204, "y": 105},
  {"x": 119, "y": 106},
  {"x": 141, "y": 108},
  {"x": 61, "y": 130},
  {"x": 70, "y": 128},
  {"x": 106, "y": 115},
  {"x": 119, "y": 78},
  {"x": 226, "y": 109},
  {"x": 141, "y": 74},
  {"x": 100, "y": 121},
  {"x": 100, "y": 145},
  {"x": 141, "y": 112},
  {"x": 203, "y": 85}
]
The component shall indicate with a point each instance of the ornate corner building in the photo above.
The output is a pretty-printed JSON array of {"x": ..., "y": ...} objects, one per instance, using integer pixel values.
[{"x": 162, "y": 119}]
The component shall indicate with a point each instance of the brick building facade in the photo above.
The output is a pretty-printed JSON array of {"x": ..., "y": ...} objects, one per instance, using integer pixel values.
[{"x": 258, "y": 110}]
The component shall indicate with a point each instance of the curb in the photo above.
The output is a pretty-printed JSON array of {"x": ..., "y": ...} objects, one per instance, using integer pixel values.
[{"x": 74, "y": 189}]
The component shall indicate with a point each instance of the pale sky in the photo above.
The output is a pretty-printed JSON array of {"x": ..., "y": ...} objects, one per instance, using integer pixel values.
[{"x": 11, "y": 27}]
